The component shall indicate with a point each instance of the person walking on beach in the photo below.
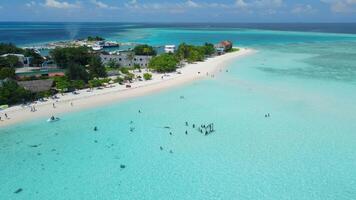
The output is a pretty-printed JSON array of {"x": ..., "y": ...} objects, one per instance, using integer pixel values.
[{"x": 53, "y": 105}]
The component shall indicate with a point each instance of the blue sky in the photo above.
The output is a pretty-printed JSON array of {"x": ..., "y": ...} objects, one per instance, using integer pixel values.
[{"x": 179, "y": 10}]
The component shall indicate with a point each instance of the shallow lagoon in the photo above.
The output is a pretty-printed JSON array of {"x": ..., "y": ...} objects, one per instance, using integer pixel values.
[{"x": 305, "y": 150}]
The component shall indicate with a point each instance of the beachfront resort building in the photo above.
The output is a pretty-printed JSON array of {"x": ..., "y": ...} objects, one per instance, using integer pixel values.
[
  {"x": 169, "y": 48},
  {"x": 126, "y": 59},
  {"x": 35, "y": 86},
  {"x": 223, "y": 47}
]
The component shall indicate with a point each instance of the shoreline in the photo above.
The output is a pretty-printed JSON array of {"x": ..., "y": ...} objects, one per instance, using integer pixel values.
[{"x": 84, "y": 100}]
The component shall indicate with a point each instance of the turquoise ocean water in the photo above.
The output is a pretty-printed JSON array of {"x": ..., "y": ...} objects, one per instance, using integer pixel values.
[{"x": 305, "y": 150}]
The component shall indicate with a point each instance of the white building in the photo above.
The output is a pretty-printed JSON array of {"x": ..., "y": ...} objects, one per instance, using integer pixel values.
[
  {"x": 126, "y": 59},
  {"x": 169, "y": 48}
]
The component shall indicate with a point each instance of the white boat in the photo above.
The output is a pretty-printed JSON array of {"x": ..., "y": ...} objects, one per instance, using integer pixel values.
[
  {"x": 53, "y": 119},
  {"x": 97, "y": 47}
]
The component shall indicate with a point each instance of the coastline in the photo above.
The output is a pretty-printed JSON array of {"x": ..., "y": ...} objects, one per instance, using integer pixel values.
[{"x": 84, "y": 100}]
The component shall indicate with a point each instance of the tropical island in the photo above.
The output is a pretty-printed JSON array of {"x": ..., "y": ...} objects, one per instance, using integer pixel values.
[{"x": 28, "y": 79}]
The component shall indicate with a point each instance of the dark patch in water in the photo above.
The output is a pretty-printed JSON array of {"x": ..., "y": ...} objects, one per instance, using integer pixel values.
[
  {"x": 35, "y": 146},
  {"x": 18, "y": 190}
]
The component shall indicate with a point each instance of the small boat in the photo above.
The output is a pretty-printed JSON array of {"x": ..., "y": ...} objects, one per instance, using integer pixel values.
[
  {"x": 97, "y": 47},
  {"x": 53, "y": 119}
]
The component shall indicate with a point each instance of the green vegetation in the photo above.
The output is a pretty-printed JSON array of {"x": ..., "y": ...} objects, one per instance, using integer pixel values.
[
  {"x": 98, "y": 82},
  {"x": 232, "y": 50},
  {"x": 193, "y": 53},
  {"x": 144, "y": 50},
  {"x": 62, "y": 84},
  {"x": 95, "y": 38},
  {"x": 10, "y": 61},
  {"x": 70, "y": 55},
  {"x": 119, "y": 80},
  {"x": 75, "y": 59},
  {"x": 95, "y": 83},
  {"x": 7, "y": 72},
  {"x": 10, "y": 48},
  {"x": 77, "y": 72},
  {"x": 113, "y": 64},
  {"x": 147, "y": 76},
  {"x": 78, "y": 84},
  {"x": 36, "y": 60},
  {"x": 11, "y": 93},
  {"x": 96, "y": 68},
  {"x": 164, "y": 63},
  {"x": 129, "y": 77},
  {"x": 189, "y": 53}
]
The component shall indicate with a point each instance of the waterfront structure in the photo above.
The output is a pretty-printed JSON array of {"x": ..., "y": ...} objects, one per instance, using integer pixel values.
[
  {"x": 223, "y": 47},
  {"x": 126, "y": 59}
]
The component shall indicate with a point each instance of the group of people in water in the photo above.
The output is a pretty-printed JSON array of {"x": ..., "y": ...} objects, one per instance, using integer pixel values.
[{"x": 203, "y": 128}]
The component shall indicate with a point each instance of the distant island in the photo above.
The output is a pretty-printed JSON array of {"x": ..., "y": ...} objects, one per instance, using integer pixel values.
[
  {"x": 78, "y": 67},
  {"x": 71, "y": 73}
]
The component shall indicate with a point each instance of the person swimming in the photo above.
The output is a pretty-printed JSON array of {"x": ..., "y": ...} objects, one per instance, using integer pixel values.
[{"x": 95, "y": 128}]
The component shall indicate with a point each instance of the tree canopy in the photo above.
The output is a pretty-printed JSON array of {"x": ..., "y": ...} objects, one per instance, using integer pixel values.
[
  {"x": 95, "y": 38},
  {"x": 10, "y": 48},
  {"x": 11, "y": 93},
  {"x": 69, "y": 55},
  {"x": 96, "y": 68},
  {"x": 144, "y": 50},
  {"x": 77, "y": 72},
  {"x": 164, "y": 63},
  {"x": 36, "y": 60},
  {"x": 7, "y": 72}
]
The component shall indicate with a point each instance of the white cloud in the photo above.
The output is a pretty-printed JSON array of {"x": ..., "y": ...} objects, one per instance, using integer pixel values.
[
  {"x": 100, "y": 4},
  {"x": 60, "y": 4},
  {"x": 192, "y": 4},
  {"x": 303, "y": 9},
  {"x": 341, "y": 6},
  {"x": 171, "y": 7},
  {"x": 269, "y": 7},
  {"x": 258, "y": 3},
  {"x": 31, "y": 4}
]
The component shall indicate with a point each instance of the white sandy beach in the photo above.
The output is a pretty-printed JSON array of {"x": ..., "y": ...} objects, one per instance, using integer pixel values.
[{"x": 70, "y": 102}]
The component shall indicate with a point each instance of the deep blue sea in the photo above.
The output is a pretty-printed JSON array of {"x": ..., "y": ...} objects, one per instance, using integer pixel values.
[{"x": 304, "y": 75}]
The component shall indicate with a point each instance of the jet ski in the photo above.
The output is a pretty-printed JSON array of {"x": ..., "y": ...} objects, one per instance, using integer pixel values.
[{"x": 53, "y": 119}]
